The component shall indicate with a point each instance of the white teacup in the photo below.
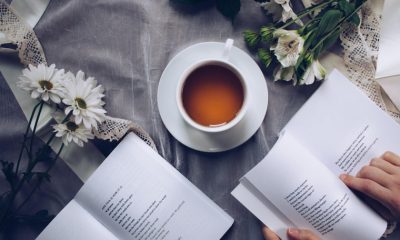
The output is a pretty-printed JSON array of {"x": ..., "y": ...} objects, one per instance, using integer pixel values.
[{"x": 224, "y": 62}]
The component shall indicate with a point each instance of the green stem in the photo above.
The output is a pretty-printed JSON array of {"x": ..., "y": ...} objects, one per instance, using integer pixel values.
[
  {"x": 338, "y": 26},
  {"x": 51, "y": 138},
  {"x": 35, "y": 126},
  {"x": 40, "y": 180},
  {"x": 308, "y": 23},
  {"x": 30, "y": 167},
  {"x": 67, "y": 117},
  {"x": 305, "y": 12},
  {"x": 14, "y": 191},
  {"x": 26, "y": 136},
  {"x": 55, "y": 158}
]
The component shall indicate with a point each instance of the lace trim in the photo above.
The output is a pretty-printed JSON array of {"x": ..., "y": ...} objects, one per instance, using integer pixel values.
[
  {"x": 29, "y": 49},
  {"x": 116, "y": 128}
]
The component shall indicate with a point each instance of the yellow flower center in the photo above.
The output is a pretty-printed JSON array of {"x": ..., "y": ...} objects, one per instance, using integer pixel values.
[
  {"x": 81, "y": 103},
  {"x": 71, "y": 126},
  {"x": 45, "y": 84}
]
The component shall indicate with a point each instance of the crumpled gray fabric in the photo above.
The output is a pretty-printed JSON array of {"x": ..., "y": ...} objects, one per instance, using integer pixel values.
[{"x": 126, "y": 44}]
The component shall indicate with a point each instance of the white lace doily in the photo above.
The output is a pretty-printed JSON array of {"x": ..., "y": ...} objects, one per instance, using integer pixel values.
[{"x": 30, "y": 51}]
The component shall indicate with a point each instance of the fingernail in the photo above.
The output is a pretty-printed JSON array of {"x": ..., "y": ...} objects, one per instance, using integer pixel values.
[
  {"x": 343, "y": 177},
  {"x": 294, "y": 232}
]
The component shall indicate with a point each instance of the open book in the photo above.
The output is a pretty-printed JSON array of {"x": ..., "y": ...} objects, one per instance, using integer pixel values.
[
  {"x": 136, "y": 194},
  {"x": 338, "y": 130}
]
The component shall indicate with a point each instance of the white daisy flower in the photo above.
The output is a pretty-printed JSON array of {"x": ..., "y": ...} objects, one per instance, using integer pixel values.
[
  {"x": 69, "y": 132},
  {"x": 280, "y": 10},
  {"x": 83, "y": 98},
  {"x": 315, "y": 71},
  {"x": 288, "y": 47},
  {"x": 43, "y": 82}
]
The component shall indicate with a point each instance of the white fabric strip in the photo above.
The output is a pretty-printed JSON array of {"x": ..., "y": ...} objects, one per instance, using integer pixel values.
[
  {"x": 30, "y": 10},
  {"x": 388, "y": 64},
  {"x": 388, "y": 61}
]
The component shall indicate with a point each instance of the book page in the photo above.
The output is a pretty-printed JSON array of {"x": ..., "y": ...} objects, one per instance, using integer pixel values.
[
  {"x": 262, "y": 208},
  {"x": 138, "y": 195},
  {"x": 305, "y": 191},
  {"x": 74, "y": 222},
  {"x": 342, "y": 127}
]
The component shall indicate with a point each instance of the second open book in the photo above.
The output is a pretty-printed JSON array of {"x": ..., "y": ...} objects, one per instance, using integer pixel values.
[{"x": 338, "y": 130}]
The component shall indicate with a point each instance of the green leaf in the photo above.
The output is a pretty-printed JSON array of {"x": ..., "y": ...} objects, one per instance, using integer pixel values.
[
  {"x": 329, "y": 21},
  {"x": 5, "y": 199},
  {"x": 299, "y": 62},
  {"x": 349, "y": 8},
  {"x": 251, "y": 38},
  {"x": 8, "y": 171},
  {"x": 44, "y": 175},
  {"x": 346, "y": 7},
  {"x": 359, "y": 2},
  {"x": 310, "y": 38},
  {"x": 329, "y": 42},
  {"x": 265, "y": 56},
  {"x": 229, "y": 8},
  {"x": 355, "y": 19},
  {"x": 305, "y": 60},
  {"x": 28, "y": 176},
  {"x": 44, "y": 154},
  {"x": 267, "y": 33}
]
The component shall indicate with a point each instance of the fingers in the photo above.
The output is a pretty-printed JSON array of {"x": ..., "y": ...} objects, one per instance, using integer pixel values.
[
  {"x": 380, "y": 181},
  {"x": 269, "y": 234},
  {"x": 375, "y": 174},
  {"x": 301, "y": 234},
  {"x": 384, "y": 165},
  {"x": 379, "y": 208},
  {"x": 369, "y": 187},
  {"x": 392, "y": 158}
]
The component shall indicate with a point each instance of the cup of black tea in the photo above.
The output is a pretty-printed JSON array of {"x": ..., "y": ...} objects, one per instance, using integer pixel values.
[{"x": 212, "y": 94}]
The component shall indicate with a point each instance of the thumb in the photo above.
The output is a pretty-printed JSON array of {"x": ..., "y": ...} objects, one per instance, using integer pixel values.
[{"x": 301, "y": 234}]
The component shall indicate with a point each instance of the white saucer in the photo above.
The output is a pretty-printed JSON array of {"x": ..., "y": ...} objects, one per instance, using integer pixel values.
[{"x": 212, "y": 142}]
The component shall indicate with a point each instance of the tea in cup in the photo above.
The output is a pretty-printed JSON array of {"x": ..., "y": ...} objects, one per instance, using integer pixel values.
[{"x": 212, "y": 94}]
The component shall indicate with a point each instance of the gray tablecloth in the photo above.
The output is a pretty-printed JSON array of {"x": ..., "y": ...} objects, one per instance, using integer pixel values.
[{"x": 126, "y": 44}]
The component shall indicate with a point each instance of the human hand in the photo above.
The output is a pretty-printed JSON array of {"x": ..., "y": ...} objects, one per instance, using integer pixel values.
[
  {"x": 293, "y": 234},
  {"x": 380, "y": 180}
]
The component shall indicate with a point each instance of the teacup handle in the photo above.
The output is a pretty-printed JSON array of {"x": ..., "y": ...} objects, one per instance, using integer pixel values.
[{"x": 227, "y": 48}]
